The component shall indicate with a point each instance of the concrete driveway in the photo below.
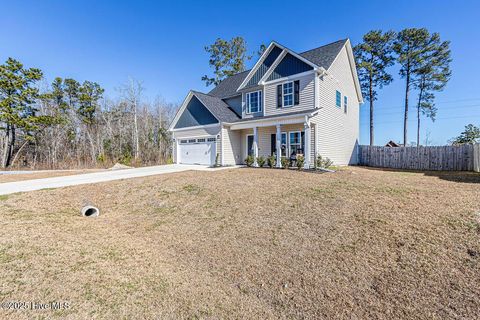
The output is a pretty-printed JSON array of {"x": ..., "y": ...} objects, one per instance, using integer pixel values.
[{"x": 58, "y": 182}]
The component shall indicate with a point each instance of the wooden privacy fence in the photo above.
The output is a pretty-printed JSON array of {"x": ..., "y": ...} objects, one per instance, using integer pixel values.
[{"x": 450, "y": 158}]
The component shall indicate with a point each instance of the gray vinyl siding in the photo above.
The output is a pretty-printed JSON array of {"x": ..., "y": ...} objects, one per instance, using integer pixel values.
[
  {"x": 195, "y": 114},
  {"x": 235, "y": 103},
  {"x": 337, "y": 132},
  {"x": 231, "y": 147},
  {"x": 306, "y": 96},
  {"x": 262, "y": 69},
  {"x": 288, "y": 67}
]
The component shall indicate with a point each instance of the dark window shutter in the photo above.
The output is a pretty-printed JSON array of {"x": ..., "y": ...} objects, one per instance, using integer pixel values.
[
  {"x": 273, "y": 143},
  {"x": 296, "y": 92},
  {"x": 279, "y": 96}
]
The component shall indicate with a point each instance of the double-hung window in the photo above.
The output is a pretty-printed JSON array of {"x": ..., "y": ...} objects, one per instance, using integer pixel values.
[
  {"x": 254, "y": 102},
  {"x": 288, "y": 94},
  {"x": 295, "y": 142},
  {"x": 338, "y": 101},
  {"x": 345, "y": 104}
]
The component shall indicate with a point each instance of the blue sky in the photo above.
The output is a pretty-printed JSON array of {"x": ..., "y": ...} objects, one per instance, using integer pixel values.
[{"x": 162, "y": 45}]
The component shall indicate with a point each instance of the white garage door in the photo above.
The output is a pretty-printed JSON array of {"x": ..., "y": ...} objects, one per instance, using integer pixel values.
[{"x": 197, "y": 151}]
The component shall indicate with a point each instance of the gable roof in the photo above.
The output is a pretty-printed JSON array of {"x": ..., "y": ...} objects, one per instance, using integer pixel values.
[
  {"x": 325, "y": 55},
  {"x": 217, "y": 107},
  {"x": 322, "y": 57}
]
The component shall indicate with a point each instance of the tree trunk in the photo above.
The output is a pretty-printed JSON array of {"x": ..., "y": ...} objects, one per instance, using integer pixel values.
[
  {"x": 9, "y": 144},
  {"x": 418, "y": 116},
  {"x": 371, "y": 113},
  {"x": 405, "y": 119},
  {"x": 5, "y": 147}
]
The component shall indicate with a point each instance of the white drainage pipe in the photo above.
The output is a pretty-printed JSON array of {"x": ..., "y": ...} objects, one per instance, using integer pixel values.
[{"x": 90, "y": 211}]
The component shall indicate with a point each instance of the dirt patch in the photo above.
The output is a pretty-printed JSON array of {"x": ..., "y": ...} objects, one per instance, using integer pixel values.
[{"x": 247, "y": 243}]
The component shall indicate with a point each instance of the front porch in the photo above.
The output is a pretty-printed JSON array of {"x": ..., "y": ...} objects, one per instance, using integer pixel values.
[{"x": 279, "y": 139}]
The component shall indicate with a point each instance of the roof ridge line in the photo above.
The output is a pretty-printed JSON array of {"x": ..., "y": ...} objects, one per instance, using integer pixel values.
[{"x": 328, "y": 44}]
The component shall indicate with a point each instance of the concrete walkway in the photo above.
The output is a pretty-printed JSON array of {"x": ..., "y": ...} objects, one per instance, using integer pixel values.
[{"x": 86, "y": 178}]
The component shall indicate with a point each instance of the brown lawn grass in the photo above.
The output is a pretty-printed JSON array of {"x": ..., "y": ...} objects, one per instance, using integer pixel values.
[{"x": 249, "y": 243}]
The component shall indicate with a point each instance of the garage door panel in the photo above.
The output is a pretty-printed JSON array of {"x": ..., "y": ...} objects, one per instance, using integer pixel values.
[{"x": 198, "y": 153}]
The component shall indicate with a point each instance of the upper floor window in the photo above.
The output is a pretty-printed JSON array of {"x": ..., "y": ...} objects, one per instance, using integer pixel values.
[
  {"x": 288, "y": 94},
  {"x": 254, "y": 102},
  {"x": 338, "y": 101},
  {"x": 345, "y": 104}
]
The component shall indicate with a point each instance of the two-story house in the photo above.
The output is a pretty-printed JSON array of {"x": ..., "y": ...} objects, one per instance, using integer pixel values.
[{"x": 288, "y": 103}]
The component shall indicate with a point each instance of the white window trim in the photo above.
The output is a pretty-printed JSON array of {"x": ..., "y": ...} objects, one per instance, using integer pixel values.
[
  {"x": 247, "y": 102},
  {"x": 293, "y": 94},
  {"x": 289, "y": 142},
  {"x": 246, "y": 143},
  {"x": 286, "y": 143},
  {"x": 338, "y": 106}
]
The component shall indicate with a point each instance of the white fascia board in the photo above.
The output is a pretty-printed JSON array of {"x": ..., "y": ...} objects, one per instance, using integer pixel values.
[
  {"x": 180, "y": 111},
  {"x": 296, "y": 55},
  {"x": 353, "y": 69},
  {"x": 256, "y": 66},
  {"x": 272, "y": 67},
  {"x": 289, "y": 78},
  {"x": 196, "y": 127},
  {"x": 287, "y": 119}
]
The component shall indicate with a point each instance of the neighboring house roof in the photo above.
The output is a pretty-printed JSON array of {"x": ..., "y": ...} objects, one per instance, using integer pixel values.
[
  {"x": 325, "y": 55},
  {"x": 217, "y": 107},
  {"x": 392, "y": 143}
]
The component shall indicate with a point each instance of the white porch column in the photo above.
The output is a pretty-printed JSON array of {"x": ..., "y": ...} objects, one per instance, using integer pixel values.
[
  {"x": 306, "y": 152},
  {"x": 255, "y": 146},
  {"x": 279, "y": 146}
]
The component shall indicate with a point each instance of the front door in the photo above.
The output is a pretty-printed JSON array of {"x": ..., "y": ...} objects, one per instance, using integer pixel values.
[{"x": 250, "y": 145}]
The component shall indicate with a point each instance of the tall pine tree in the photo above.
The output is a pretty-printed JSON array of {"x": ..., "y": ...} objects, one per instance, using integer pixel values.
[
  {"x": 410, "y": 47},
  {"x": 17, "y": 98},
  {"x": 373, "y": 56},
  {"x": 432, "y": 76}
]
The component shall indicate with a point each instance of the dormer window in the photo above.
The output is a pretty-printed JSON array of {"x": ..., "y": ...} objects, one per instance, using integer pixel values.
[{"x": 254, "y": 102}]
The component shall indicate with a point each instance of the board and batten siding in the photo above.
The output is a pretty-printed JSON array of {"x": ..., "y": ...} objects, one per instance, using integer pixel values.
[
  {"x": 196, "y": 133},
  {"x": 306, "y": 96},
  {"x": 337, "y": 131}
]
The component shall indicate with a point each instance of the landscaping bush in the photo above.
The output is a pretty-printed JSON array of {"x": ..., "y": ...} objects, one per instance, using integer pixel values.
[
  {"x": 261, "y": 161},
  {"x": 217, "y": 161},
  {"x": 285, "y": 163},
  {"x": 272, "y": 161},
  {"x": 323, "y": 162},
  {"x": 249, "y": 161},
  {"x": 300, "y": 162}
]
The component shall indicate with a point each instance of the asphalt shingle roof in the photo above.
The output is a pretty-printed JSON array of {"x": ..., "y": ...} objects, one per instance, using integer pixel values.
[
  {"x": 228, "y": 87},
  {"x": 217, "y": 107},
  {"x": 322, "y": 56},
  {"x": 325, "y": 55}
]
